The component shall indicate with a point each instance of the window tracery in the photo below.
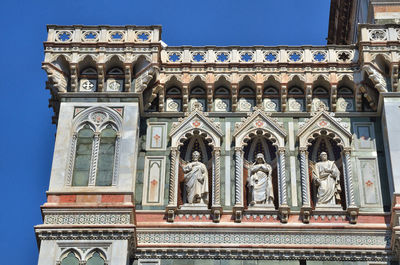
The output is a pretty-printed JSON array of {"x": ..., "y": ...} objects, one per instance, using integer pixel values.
[
  {"x": 222, "y": 99},
  {"x": 94, "y": 155},
  {"x": 198, "y": 95},
  {"x": 320, "y": 96},
  {"x": 247, "y": 98},
  {"x": 115, "y": 80},
  {"x": 271, "y": 99},
  {"x": 173, "y": 99},
  {"x": 88, "y": 80},
  {"x": 345, "y": 100},
  {"x": 296, "y": 101}
]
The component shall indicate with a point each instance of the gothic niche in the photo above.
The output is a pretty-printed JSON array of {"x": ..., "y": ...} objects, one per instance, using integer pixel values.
[
  {"x": 325, "y": 166},
  {"x": 194, "y": 183},
  {"x": 326, "y": 172},
  {"x": 260, "y": 173},
  {"x": 195, "y": 171},
  {"x": 260, "y": 167}
]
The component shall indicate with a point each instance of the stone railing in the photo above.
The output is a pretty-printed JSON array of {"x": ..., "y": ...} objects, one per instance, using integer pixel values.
[
  {"x": 264, "y": 55},
  {"x": 379, "y": 33},
  {"x": 103, "y": 34}
]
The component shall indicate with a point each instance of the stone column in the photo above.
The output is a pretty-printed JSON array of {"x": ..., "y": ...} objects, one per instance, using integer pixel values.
[
  {"x": 352, "y": 209},
  {"x": 305, "y": 185},
  {"x": 74, "y": 77},
  {"x": 116, "y": 159},
  {"x": 259, "y": 95},
  {"x": 210, "y": 92},
  {"x": 282, "y": 176},
  {"x": 283, "y": 97},
  {"x": 185, "y": 97},
  {"x": 308, "y": 94},
  {"x": 216, "y": 185},
  {"x": 238, "y": 176},
  {"x": 95, "y": 159},
  {"x": 71, "y": 158},
  {"x": 161, "y": 98},
  {"x": 333, "y": 97},
  {"x": 283, "y": 205},
  {"x": 238, "y": 208},
  {"x": 100, "y": 78},
  {"x": 128, "y": 78},
  {"x": 234, "y": 96},
  {"x": 173, "y": 185}
]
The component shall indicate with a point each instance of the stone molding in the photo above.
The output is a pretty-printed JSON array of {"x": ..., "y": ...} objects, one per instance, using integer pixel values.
[
  {"x": 263, "y": 253},
  {"x": 44, "y": 232},
  {"x": 236, "y": 237}
]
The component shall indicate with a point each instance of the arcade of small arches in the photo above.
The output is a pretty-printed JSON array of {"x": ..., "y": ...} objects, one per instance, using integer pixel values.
[
  {"x": 281, "y": 92},
  {"x": 76, "y": 257}
]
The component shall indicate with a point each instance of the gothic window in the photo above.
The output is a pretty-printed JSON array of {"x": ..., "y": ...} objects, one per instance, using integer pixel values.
[
  {"x": 320, "y": 96},
  {"x": 296, "y": 99},
  {"x": 106, "y": 157},
  {"x": 88, "y": 80},
  {"x": 247, "y": 98},
  {"x": 222, "y": 100},
  {"x": 345, "y": 100},
  {"x": 198, "y": 95},
  {"x": 94, "y": 153},
  {"x": 173, "y": 99},
  {"x": 271, "y": 99},
  {"x": 70, "y": 259},
  {"x": 115, "y": 80},
  {"x": 83, "y": 157},
  {"x": 96, "y": 259}
]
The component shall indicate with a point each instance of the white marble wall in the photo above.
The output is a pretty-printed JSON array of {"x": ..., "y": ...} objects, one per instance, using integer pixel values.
[
  {"x": 391, "y": 132},
  {"x": 128, "y": 155}
]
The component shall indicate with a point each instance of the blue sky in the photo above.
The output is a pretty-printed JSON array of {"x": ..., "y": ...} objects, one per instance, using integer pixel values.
[{"x": 27, "y": 133}]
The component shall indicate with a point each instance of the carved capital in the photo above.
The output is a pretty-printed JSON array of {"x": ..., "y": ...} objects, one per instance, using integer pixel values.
[
  {"x": 305, "y": 214},
  {"x": 347, "y": 150}
]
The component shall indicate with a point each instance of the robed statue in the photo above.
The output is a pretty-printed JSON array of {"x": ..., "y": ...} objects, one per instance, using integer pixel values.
[
  {"x": 326, "y": 178},
  {"x": 196, "y": 181},
  {"x": 260, "y": 182}
]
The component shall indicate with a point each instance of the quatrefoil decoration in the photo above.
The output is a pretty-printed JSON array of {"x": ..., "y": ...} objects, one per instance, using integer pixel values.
[
  {"x": 295, "y": 56},
  {"x": 247, "y": 57},
  {"x": 222, "y": 57},
  {"x": 270, "y": 57},
  {"x": 319, "y": 56},
  {"x": 175, "y": 57},
  {"x": 143, "y": 36},
  {"x": 198, "y": 57},
  {"x": 64, "y": 36}
]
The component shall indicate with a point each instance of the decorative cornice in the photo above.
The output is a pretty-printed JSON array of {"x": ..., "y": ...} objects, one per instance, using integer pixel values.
[{"x": 262, "y": 254}]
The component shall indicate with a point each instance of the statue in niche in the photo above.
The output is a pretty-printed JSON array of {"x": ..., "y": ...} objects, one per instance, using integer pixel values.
[
  {"x": 196, "y": 181},
  {"x": 326, "y": 178},
  {"x": 260, "y": 182}
]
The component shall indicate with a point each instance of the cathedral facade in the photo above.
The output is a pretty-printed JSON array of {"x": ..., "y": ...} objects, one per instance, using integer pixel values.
[{"x": 225, "y": 155}]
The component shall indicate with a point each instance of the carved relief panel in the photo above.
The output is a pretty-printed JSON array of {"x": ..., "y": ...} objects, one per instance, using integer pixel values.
[
  {"x": 156, "y": 136},
  {"x": 154, "y": 179}
]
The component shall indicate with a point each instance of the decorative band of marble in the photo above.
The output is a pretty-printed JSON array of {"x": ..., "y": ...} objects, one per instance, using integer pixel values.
[
  {"x": 296, "y": 239},
  {"x": 86, "y": 234},
  {"x": 258, "y": 253},
  {"x": 87, "y": 218}
]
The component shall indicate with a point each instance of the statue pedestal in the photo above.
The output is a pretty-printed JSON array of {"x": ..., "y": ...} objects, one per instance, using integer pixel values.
[
  {"x": 194, "y": 207},
  {"x": 261, "y": 207},
  {"x": 328, "y": 208}
]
